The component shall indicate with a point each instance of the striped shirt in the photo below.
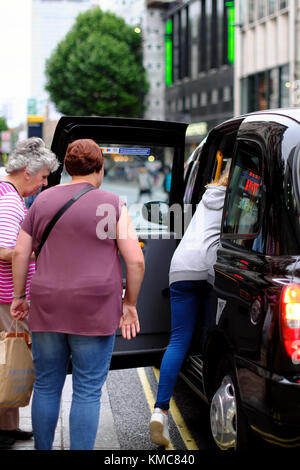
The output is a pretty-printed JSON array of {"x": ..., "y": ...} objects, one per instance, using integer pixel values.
[{"x": 12, "y": 214}]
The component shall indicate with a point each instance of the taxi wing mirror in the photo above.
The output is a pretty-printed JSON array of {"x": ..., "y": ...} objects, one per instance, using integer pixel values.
[{"x": 156, "y": 212}]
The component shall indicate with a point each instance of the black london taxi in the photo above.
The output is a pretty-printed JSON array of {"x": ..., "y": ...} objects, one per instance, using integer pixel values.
[{"x": 248, "y": 366}]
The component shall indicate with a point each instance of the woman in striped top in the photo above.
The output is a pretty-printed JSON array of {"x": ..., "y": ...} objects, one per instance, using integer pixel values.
[{"x": 28, "y": 168}]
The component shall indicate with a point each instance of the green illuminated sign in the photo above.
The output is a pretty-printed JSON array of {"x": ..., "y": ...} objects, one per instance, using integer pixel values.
[
  {"x": 169, "y": 52},
  {"x": 230, "y": 53}
]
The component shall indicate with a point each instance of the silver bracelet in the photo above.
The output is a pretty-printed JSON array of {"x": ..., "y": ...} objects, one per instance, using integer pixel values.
[{"x": 19, "y": 296}]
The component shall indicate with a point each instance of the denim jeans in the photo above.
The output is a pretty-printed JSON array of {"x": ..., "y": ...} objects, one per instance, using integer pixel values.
[
  {"x": 189, "y": 299},
  {"x": 91, "y": 356}
]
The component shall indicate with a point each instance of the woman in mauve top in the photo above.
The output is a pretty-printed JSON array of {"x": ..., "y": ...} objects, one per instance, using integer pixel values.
[
  {"x": 27, "y": 170},
  {"x": 76, "y": 293}
]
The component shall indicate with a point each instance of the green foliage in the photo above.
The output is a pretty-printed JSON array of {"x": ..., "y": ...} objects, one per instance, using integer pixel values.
[
  {"x": 97, "y": 68},
  {"x": 3, "y": 124}
]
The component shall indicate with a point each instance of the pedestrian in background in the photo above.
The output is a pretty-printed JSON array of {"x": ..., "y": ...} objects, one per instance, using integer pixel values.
[
  {"x": 145, "y": 183},
  {"x": 167, "y": 181},
  {"x": 27, "y": 169},
  {"x": 191, "y": 278},
  {"x": 76, "y": 294}
]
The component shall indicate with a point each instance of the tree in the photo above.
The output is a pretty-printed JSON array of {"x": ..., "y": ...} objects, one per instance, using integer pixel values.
[
  {"x": 3, "y": 127},
  {"x": 3, "y": 124},
  {"x": 97, "y": 68}
]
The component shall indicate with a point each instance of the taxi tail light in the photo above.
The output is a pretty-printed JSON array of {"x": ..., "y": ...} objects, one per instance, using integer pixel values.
[{"x": 290, "y": 321}]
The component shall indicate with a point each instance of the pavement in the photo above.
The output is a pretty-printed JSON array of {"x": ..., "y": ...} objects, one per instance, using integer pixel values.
[{"x": 106, "y": 437}]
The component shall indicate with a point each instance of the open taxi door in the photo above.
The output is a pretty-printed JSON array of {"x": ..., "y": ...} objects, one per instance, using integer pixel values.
[{"x": 140, "y": 156}]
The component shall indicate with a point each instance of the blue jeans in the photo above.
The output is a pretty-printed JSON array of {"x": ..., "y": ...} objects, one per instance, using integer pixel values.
[
  {"x": 188, "y": 300},
  {"x": 91, "y": 356}
]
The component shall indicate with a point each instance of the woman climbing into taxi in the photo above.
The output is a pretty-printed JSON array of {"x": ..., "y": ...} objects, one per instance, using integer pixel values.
[{"x": 191, "y": 278}]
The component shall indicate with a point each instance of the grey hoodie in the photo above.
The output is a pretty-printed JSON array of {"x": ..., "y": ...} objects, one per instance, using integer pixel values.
[{"x": 195, "y": 255}]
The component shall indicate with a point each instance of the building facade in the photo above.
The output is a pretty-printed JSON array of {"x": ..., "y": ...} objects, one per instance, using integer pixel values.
[
  {"x": 267, "y": 55},
  {"x": 199, "y": 47}
]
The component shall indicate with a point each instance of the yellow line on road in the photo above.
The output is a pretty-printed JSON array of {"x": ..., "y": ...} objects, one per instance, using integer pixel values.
[
  {"x": 149, "y": 395},
  {"x": 179, "y": 421},
  {"x": 176, "y": 415}
]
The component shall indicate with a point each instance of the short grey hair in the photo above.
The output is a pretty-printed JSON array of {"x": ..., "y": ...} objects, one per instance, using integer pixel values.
[{"x": 33, "y": 155}]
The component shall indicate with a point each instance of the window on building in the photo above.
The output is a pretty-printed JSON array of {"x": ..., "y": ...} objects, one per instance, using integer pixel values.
[
  {"x": 227, "y": 93},
  {"x": 284, "y": 86},
  {"x": 187, "y": 103},
  {"x": 224, "y": 29},
  {"x": 208, "y": 6},
  {"x": 251, "y": 11},
  {"x": 283, "y": 4},
  {"x": 269, "y": 89},
  {"x": 242, "y": 11},
  {"x": 262, "y": 91},
  {"x": 261, "y": 10},
  {"x": 257, "y": 91},
  {"x": 176, "y": 47},
  {"x": 244, "y": 95},
  {"x": 203, "y": 39},
  {"x": 271, "y": 7},
  {"x": 273, "y": 85},
  {"x": 194, "y": 25},
  {"x": 203, "y": 98},
  {"x": 214, "y": 96},
  {"x": 208, "y": 97},
  {"x": 184, "y": 43},
  {"x": 194, "y": 61},
  {"x": 214, "y": 36},
  {"x": 251, "y": 92},
  {"x": 194, "y": 100}
]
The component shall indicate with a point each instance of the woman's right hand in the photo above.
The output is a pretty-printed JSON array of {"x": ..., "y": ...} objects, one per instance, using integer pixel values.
[
  {"x": 19, "y": 309},
  {"x": 129, "y": 322}
]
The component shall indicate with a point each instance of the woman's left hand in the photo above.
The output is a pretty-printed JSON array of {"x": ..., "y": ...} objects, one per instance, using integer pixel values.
[
  {"x": 129, "y": 322},
  {"x": 19, "y": 309}
]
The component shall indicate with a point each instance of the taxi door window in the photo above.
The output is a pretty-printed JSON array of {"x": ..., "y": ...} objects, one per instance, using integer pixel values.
[
  {"x": 243, "y": 209},
  {"x": 137, "y": 174}
]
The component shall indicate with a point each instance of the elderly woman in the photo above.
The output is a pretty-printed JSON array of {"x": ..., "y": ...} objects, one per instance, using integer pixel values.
[
  {"x": 76, "y": 294},
  {"x": 27, "y": 170}
]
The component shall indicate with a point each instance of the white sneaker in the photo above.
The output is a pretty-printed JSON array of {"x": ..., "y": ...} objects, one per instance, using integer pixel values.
[{"x": 159, "y": 428}]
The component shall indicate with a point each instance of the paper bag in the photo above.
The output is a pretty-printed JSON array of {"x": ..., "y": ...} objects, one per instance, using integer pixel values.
[{"x": 16, "y": 370}]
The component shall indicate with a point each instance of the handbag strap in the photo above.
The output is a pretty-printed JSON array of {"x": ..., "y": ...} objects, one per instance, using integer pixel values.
[
  {"x": 58, "y": 215},
  {"x": 8, "y": 182}
]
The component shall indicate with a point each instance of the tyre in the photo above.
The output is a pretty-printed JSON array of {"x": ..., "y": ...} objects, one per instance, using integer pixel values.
[{"x": 228, "y": 424}]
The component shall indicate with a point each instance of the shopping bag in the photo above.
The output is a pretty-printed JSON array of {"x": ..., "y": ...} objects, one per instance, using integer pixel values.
[{"x": 16, "y": 369}]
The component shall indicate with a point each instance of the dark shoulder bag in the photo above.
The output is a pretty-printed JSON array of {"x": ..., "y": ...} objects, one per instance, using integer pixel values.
[{"x": 58, "y": 215}]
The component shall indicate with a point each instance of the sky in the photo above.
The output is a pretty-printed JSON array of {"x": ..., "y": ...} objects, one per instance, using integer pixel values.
[
  {"x": 15, "y": 53},
  {"x": 15, "y": 57}
]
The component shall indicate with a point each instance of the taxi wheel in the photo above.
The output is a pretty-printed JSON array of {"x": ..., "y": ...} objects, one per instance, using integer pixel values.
[{"x": 228, "y": 424}]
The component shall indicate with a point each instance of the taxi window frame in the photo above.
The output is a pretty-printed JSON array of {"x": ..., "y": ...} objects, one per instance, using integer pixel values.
[{"x": 191, "y": 173}]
